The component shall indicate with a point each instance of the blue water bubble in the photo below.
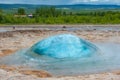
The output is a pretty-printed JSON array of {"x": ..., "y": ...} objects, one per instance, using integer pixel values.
[{"x": 64, "y": 46}]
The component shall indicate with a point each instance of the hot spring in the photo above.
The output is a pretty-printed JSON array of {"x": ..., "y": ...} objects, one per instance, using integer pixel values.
[{"x": 67, "y": 54}]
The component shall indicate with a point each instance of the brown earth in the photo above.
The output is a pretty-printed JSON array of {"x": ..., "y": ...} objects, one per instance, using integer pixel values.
[{"x": 16, "y": 40}]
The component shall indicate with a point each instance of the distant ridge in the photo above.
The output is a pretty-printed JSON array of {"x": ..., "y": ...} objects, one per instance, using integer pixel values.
[{"x": 74, "y": 6}]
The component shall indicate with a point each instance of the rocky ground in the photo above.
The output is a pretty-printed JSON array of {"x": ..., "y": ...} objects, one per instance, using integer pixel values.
[{"x": 16, "y": 40}]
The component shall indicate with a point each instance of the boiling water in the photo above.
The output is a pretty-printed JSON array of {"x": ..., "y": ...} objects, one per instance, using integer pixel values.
[
  {"x": 64, "y": 46},
  {"x": 104, "y": 57}
]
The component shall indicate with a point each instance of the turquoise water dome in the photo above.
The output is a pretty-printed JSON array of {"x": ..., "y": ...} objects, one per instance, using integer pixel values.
[{"x": 64, "y": 46}]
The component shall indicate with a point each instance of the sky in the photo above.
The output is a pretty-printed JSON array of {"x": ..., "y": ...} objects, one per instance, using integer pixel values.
[{"x": 60, "y": 2}]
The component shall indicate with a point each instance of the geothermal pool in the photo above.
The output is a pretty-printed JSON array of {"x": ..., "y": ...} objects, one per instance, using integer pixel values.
[{"x": 67, "y": 54}]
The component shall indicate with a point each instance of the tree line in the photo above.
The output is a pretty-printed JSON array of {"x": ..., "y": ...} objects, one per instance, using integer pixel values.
[{"x": 51, "y": 15}]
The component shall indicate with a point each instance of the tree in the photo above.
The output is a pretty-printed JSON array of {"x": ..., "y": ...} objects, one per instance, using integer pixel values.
[
  {"x": 1, "y": 11},
  {"x": 21, "y": 11},
  {"x": 71, "y": 13},
  {"x": 1, "y": 17},
  {"x": 64, "y": 13},
  {"x": 47, "y": 12}
]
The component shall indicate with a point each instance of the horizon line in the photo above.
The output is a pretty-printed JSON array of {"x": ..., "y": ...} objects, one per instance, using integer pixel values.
[{"x": 58, "y": 4}]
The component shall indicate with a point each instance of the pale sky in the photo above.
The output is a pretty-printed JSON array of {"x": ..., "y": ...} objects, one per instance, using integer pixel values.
[{"x": 59, "y": 2}]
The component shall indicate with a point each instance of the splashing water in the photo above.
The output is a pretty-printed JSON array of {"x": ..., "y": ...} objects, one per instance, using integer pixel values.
[{"x": 66, "y": 54}]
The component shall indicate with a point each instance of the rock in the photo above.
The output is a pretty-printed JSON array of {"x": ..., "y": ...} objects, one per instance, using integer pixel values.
[
  {"x": 38, "y": 73},
  {"x": 5, "y": 52}
]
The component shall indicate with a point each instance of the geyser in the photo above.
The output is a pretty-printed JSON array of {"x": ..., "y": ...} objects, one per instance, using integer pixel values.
[
  {"x": 64, "y": 46},
  {"x": 67, "y": 54}
]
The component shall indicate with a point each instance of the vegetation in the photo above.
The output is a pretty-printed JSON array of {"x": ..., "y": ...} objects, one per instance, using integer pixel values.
[
  {"x": 21, "y": 11},
  {"x": 51, "y": 15},
  {"x": 1, "y": 11}
]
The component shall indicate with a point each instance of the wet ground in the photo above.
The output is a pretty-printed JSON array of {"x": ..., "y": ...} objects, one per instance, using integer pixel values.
[
  {"x": 108, "y": 40},
  {"x": 61, "y": 27}
]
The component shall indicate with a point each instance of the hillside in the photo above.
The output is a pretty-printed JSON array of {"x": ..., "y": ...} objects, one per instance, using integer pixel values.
[{"x": 75, "y": 6}]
